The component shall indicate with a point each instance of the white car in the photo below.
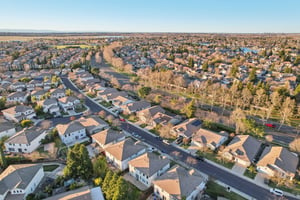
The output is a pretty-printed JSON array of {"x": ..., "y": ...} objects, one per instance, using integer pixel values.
[{"x": 276, "y": 191}]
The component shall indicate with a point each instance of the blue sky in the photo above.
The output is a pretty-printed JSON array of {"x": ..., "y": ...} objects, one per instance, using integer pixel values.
[{"x": 242, "y": 16}]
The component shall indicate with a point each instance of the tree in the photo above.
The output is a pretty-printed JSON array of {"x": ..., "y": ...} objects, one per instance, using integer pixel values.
[
  {"x": 144, "y": 91},
  {"x": 121, "y": 190},
  {"x": 100, "y": 167},
  {"x": 26, "y": 123},
  {"x": 3, "y": 161},
  {"x": 39, "y": 110},
  {"x": 79, "y": 164},
  {"x": 205, "y": 66},
  {"x": 102, "y": 114},
  {"x": 2, "y": 103},
  {"x": 69, "y": 92},
  {"x": 252, "y": 75},
  {"x": 165, "y": 131},
  {"x": 238, "y": 116},
  {"x": 95, "y": 71},
  {"x": 189, "y": 109},
  {"x": 191, "y": 62},
  {"x": 286, "y": 111},
  {"x": 297, "y": 90},
  {"x": 106, "y": 182}
]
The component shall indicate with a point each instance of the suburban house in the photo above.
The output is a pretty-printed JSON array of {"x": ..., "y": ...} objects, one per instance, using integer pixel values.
[
  {"x": 20, "y": 97},
  {"x": 83, "y": 193},
  {"x": 50, "y": 106},
  {"x": 120, "y": 101},
  {"x": 107, "y": 137},
  {"x": 68, "y": 103},
  {"x": 18, "y": 113},
  {"x": 179, "y": 183},
  {"x": 110, "y": 96},
  {"x": 106, "y": 91},
  {"x": 18, "y": 86},
  {"x": 278, "y": 161},
  {"x": 187, "y": 128},
  {"x": 57, "y": 93},
  {"x": 17, "y": 181},
  {"x": 135, "y": 107},
  {"x": 164, "y": 119},
  {"x": 72, "y": 132},
  {"x": 147, "y": 114},
  {"x": 119, "y": 154},
  {"x": 148, "y": 167},
  {"x": 242, "y": 149},
  {"x": 38, "y": 94},
  {"x": 206, "y": 138},
  {"x": 25, "y": 141},
  {"x": 93, "y": 124},
  {"x": 7, "y": 129}
]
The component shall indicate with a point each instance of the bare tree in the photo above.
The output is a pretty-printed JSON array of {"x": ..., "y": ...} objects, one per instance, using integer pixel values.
[
  {"x": 286, "y": 110},
  {"x": 238, "y": 116}
]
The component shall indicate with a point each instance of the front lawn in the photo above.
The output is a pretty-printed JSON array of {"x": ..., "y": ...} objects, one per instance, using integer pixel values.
[
  {"x": 105, "y": 104},
  {"x": 210, "y": 155},
  {"x": 50, "y": 168},
  {"x": 215, "y": 190},
  {"x": 250, "y": 173}
]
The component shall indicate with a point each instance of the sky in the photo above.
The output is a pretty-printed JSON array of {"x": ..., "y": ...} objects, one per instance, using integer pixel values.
[{"x": 222, "y": 16}]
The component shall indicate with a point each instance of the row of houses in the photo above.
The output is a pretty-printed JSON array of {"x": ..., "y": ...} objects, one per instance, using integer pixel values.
[{"x": 149, "y": 168}]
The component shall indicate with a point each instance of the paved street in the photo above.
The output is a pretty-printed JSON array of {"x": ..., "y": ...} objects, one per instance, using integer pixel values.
[{"x": 230, "y": 179}]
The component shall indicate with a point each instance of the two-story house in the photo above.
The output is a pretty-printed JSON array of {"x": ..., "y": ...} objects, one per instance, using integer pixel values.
[
  {"x": 68, "y": 103},
  {"x": 187, "y": 128},
  {"x": 71, "y": 133},
  {"x": 148, "y": 167},
  {"x": 107, "y": 137},
  {"x": 17, "y": 97},
  {"x": 179, "y": 183},
  {"x": 50, "y": 106},
  {"x": 25, "y": 141},
  {"x": 18, "y": 113},
  {"x": 119, "y": 154},
  {"x": 17, "y": 181}
]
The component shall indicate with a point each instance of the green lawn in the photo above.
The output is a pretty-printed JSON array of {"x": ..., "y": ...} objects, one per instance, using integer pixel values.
[
  {"x": 250, "y": 174},
  {"x": 208, "y": 154},
  {"x": 143, "y": 125},
  {"x": 105, "y": 104},
  {"x": 50, "y": 168},
  {"x": 214, "y": 190}
]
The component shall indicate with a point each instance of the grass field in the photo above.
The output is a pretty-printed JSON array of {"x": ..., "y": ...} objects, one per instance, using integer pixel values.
[{"x": 50, "y": 168}]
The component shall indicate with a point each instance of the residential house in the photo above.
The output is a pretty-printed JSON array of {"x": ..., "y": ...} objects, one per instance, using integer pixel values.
[
  {"x": 25, "y": 141},
  {"x": 7, "y": 129},
  {"x": 83, "y": 193},
  {"x": 119, "y": 154},
  {"x": 93, "y": 124},
  {"x": 187, "y": 128},
  {"x": 179, "y": 183},
  {"x": 18, "y": 113},
  {"x": 20, "y": 97},
  {"x": 50, "y": 106},
  {"x": 106, "y": 91},
  {"x": 17, "y": 181},
  {"x": 68, "y": 103},
  {"x": 278, "y": 161},
  {"x": 147, "y": 114},
  {"x": 120, "y": 101},
  {"x": 164, "y": 119},
  {"x": 18, "y": 86},
  {"x": 242, "y": 149},
  {"x": 72, "y": 132},
  {"x": 206, "y": 138},
  {"x": 148, "y": 167},
  {"x": 57, "y": 93},
  {"x": 38, "y": 94},
  {"x": 107, "y": 137},
  {"x": 135, "y": 107}
]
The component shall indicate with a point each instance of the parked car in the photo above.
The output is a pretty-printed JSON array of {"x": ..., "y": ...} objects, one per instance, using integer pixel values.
[
  {"x": 122, "y": 120},
  {"x": 276, "y": 191},
  {"x": 270, "y": 125}
]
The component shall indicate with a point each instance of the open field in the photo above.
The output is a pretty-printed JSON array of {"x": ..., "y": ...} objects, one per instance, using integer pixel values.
[{"x": 82, "y": 46}]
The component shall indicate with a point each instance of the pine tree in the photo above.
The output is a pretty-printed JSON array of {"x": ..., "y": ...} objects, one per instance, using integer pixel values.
[
  {"x": 112, "y": 186},
  {"x": 120, "y": 190},
  {"x": 3, "y": 161},
  {"x": 106, "y": 182}
]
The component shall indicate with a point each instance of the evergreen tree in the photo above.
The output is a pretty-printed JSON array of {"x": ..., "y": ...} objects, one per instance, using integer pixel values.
[
  {"x": 112, "y": 187},
  {"x": 205, "y": 66},
  {"x": 191, "y": 62},
  {"x": 106, "y": 182},
  {"x": 3, "y": 161},
  {"x": 78, "y": 163},
  {"x": 189, "y": 109},
  {"x": 120, "y": 190}
]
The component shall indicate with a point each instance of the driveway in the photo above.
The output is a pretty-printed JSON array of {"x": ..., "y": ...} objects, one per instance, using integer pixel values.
[{"x": 238, "y": 169}]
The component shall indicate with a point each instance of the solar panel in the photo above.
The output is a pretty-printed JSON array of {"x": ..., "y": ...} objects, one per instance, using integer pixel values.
[{"x": 196, "y": 123}]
